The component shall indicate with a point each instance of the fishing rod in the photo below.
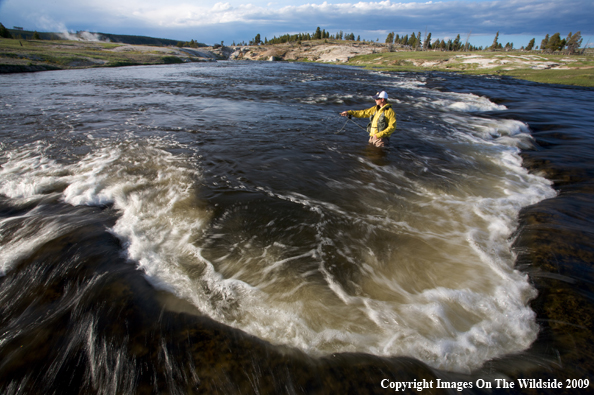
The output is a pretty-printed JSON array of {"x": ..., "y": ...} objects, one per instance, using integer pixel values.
[{"x": 350, "y": 118}]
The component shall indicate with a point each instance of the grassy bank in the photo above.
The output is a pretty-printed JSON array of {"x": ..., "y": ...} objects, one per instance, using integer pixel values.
[
  {"x": 578, "y": 77},
  {"x": 546, "y": 68},
  {"x": 36, "y": 55}
]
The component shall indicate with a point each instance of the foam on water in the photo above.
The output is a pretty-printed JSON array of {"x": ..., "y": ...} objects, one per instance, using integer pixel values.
[
  {"x": 404, "y": 266},
  {"x": 466, "y": 102},
  {"x": 20, "y": 236}
]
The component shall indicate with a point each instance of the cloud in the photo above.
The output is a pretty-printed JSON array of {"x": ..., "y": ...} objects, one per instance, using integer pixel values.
[{"x": 511, "y": 16}]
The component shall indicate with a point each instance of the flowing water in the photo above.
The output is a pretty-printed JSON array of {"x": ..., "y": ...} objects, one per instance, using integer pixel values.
[{"x": 141, "y": 205}]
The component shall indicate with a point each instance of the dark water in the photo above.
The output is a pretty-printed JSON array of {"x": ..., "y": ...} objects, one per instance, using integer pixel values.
[{"x": 219, "y": 229}]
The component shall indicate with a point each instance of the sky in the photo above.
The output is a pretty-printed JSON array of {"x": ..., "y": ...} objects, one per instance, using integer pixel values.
[{"x": 517, "y": 21}]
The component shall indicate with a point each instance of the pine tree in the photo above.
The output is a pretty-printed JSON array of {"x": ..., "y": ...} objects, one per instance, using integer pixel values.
[
  {"x": 457, "y": 45},
  {"x": 530, "y": 45},
  {"x": 495, "y": 44},
  {"x": 427, "y": 43},
  {"x": 36, "y": 36},
  {"x": 554, "y": 43},
  {"x": 562, "y": 45},
  {"x": 544, "y": 43},
  {"x": 449, "y": 45},
  {"x": 390, "y": 38},
  {"x": 574, "y": 42},
  {"x": 317, "y": 34},
  {"x": 412, "y": 41}
]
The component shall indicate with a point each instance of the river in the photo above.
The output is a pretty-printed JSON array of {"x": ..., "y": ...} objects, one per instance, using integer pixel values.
[{"x": 218, "y": 228}]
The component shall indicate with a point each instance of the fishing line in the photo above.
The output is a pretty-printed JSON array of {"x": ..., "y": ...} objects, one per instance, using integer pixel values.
[
  {"x": 358, "y": 124},
  {"x": 347, "y": 121},
  {"x": 343, "y": 126}
]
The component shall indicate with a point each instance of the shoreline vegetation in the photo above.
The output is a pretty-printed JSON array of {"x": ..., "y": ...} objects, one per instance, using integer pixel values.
[{"x": 30, "y": 55}]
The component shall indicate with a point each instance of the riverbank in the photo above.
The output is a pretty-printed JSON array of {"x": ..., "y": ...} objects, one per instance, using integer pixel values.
[
  {"x": 39, "y": 55},
  {"x": 575, "y": 70}
]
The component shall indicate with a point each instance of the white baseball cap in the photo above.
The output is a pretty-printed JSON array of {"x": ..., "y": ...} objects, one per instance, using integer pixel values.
[{"x": 380, "y": 95}]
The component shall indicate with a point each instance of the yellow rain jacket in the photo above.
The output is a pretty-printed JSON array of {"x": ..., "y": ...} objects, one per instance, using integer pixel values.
[{"x": 382, "y": 122}]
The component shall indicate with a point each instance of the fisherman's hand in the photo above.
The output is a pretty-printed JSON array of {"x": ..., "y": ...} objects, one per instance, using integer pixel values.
[{"x": 344, "y": 113}]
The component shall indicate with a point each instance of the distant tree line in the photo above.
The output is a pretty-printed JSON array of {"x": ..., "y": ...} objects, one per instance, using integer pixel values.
[
  {"x": 497, "y": 46},
  {"x": 414, "y": 41},
  {"x": 549, "y": 44},
  {"x": 554, "y": 43},
  {"x": 191, "y": 44},
  {"x": 417, "y": 42},
  {"x": 319, "y": 34}
]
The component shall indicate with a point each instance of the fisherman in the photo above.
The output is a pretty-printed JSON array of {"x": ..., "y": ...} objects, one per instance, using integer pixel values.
[{"x": 382, "y": 120}]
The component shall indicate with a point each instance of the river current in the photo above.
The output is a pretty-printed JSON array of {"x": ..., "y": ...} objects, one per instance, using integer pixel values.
[{"x": 217, "y": 227}]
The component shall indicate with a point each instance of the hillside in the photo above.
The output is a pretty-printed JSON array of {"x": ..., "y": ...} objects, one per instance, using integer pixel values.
[
  {"x": 312, "y": 51},
  {"x": 38, "y": 55},
  {"x": 107, "y": 37}
]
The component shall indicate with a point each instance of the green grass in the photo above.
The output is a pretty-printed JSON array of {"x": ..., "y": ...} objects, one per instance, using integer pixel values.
[
  {"x": 580, "y": 69},
  {"x": 109, "y": 45},
  {"x": 578, "y": 77},
  {"x": 73, "y": 54}
]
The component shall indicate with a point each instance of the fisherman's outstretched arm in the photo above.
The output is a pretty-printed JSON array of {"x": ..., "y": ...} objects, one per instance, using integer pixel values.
[{"x": 360, "y": 113}]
